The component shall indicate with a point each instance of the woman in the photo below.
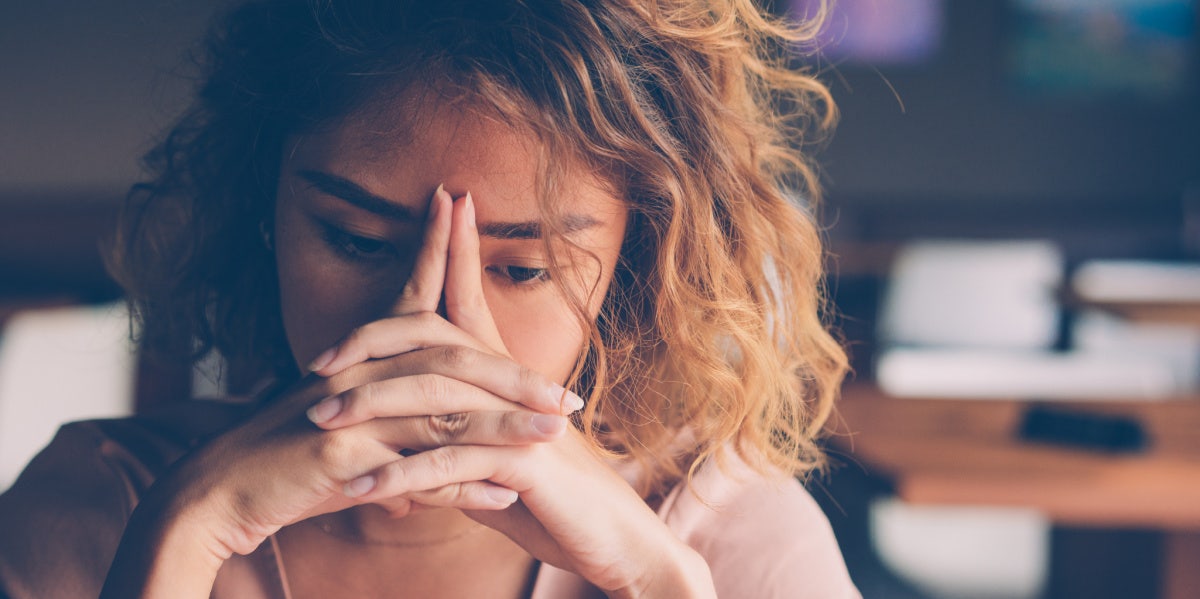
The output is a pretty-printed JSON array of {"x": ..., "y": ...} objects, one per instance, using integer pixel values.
[{"x": 539, "y": 317}]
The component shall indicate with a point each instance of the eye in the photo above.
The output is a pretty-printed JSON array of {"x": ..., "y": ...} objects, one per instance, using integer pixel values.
[
  {"x": 355, "y": 247},
  {"x": 363, "y": 245},
  {"x": 520, "y": 275}
]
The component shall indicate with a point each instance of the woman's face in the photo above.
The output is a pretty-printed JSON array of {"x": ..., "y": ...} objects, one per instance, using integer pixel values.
[{"x": 350, "y": 216}]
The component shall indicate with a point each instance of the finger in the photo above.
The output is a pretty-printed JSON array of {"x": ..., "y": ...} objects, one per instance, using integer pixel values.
[
  {"x": 434, "y": 469},
  {"x": 466, "y": 305},
  {"x": 417, "y": 395},
  {"x": 391, "y": 337},
  {"x": 424, "y": 288},
  {"x": 500, "y": 377},
  {"x": 497, "y": 375},
  {"x": 343, "y": 455},
  {"x": 475, "y": 495},
  {"x": 422, "y": 433}
]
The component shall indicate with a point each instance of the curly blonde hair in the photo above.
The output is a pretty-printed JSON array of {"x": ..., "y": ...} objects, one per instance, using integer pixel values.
[{"x": 689, "y": 110}]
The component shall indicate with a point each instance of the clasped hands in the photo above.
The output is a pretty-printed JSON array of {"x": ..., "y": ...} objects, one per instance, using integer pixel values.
[{"x": 419, "y": 410}]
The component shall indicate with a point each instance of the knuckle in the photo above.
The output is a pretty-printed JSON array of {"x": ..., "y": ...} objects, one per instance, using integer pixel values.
[
  {"x": 359, "y": 400},
  {"x": 455, "y": 356},
  {"x": 334, "y": 448},
  {"x": 529, "y": 379},
  {"x": 513, "y": 425},
  {"x": 434, "y": 388},
  {"x": 457, "y": 493},
  {"x": 448, "y": 428},
  {"x": 395, "y": 475},
  {"x": 443, "y": 464},
  {"x": 446, "y": 495}
]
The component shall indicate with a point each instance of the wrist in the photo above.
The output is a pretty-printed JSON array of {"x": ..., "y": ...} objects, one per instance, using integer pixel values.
[
  {"x": 200, "y": 496},
  {"x": 680, "y": 573},
  {"x": 188, "y": 551},
  {"x": 166, "y": 550}
]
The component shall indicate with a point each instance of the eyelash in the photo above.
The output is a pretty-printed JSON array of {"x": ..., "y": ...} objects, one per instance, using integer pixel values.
[
  {"x": 538, "y": 276},
  {"x": 350, "y": 246}
]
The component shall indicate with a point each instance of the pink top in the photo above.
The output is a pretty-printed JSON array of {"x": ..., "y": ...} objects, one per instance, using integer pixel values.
[{"x": 60, "y": 523}]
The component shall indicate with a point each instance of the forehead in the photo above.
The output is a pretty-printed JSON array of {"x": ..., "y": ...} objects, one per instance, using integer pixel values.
[{"x": 406, "y": 150}]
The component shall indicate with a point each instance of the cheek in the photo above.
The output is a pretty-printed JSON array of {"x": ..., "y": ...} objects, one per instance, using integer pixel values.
[
  {"x": 320, "y": 301},
  {"x": 541, "y": 329},
  {"x": 310, "y": 306},
  {"x": 546, "y": 337}
]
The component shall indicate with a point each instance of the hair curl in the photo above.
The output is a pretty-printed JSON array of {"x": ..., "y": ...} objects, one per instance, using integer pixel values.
[{"x": 689, "y": 109}]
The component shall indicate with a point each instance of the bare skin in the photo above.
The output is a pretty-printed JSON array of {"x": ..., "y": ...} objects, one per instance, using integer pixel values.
[{"x": 473, "y": 389}]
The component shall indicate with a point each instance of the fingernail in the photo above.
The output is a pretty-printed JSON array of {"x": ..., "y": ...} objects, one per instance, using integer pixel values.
[
  {"x": 436, "y": 203},
  {"x": 568, "y": 402},
  {"x": 325, "y": 410},
  {"x": 322, "y": 360},
  {"x": 547, "y": 424},
  {"x": 359, "y": 486},
  {"x": 500, "y": 495},
  {"x": 573, "y": 402},
  {"x": 470, "y": 206}
]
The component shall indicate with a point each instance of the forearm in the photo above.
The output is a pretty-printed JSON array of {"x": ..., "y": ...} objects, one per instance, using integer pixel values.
[{"x": 166, "y": 551}]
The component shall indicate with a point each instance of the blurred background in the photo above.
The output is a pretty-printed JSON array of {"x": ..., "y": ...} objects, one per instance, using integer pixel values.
[{"x": 1013, "y": 208}]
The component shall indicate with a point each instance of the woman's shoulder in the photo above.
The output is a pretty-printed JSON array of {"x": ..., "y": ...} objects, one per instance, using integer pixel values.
[
  {"x": 764, "y": 528},
  {"x": 88, "y": 457},
  {"x": 136, "y": 448},
  {"x": 64, "y": 515}
]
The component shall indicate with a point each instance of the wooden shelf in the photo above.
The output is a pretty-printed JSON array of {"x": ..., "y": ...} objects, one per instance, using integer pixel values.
[
  {"x": 1182, "y": 313},
  {"x": 966, "y": 451}
]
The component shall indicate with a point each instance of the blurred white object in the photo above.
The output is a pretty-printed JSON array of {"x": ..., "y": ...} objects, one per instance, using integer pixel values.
[
  {"x": 1006, "y": 374},
  {"x": 1174, "y": 349},
  {"x": 963, "y": 552},
  {"x": 974, "y": 294},
  {"x": 976, "y": 319},
  {"x": 1137, "y": 281},
  {"x": 59, "y": 365}
]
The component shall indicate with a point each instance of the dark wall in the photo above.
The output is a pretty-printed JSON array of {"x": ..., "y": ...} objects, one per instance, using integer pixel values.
[
  {"x": 956, "y": 130},
  {"x": 86, "y": 86},
  {"x": 954, "y": 149}
]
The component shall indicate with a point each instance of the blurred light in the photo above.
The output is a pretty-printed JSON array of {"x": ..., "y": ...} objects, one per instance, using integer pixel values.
[
  {"x": 1102, "y": 47},
  {"x": 879, "y": 31}
]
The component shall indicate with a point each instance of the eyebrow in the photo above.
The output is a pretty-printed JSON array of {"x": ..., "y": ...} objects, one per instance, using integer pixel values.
[
  {"x": 354, "y": 194},
  {"x": 532, "y": 229}
]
